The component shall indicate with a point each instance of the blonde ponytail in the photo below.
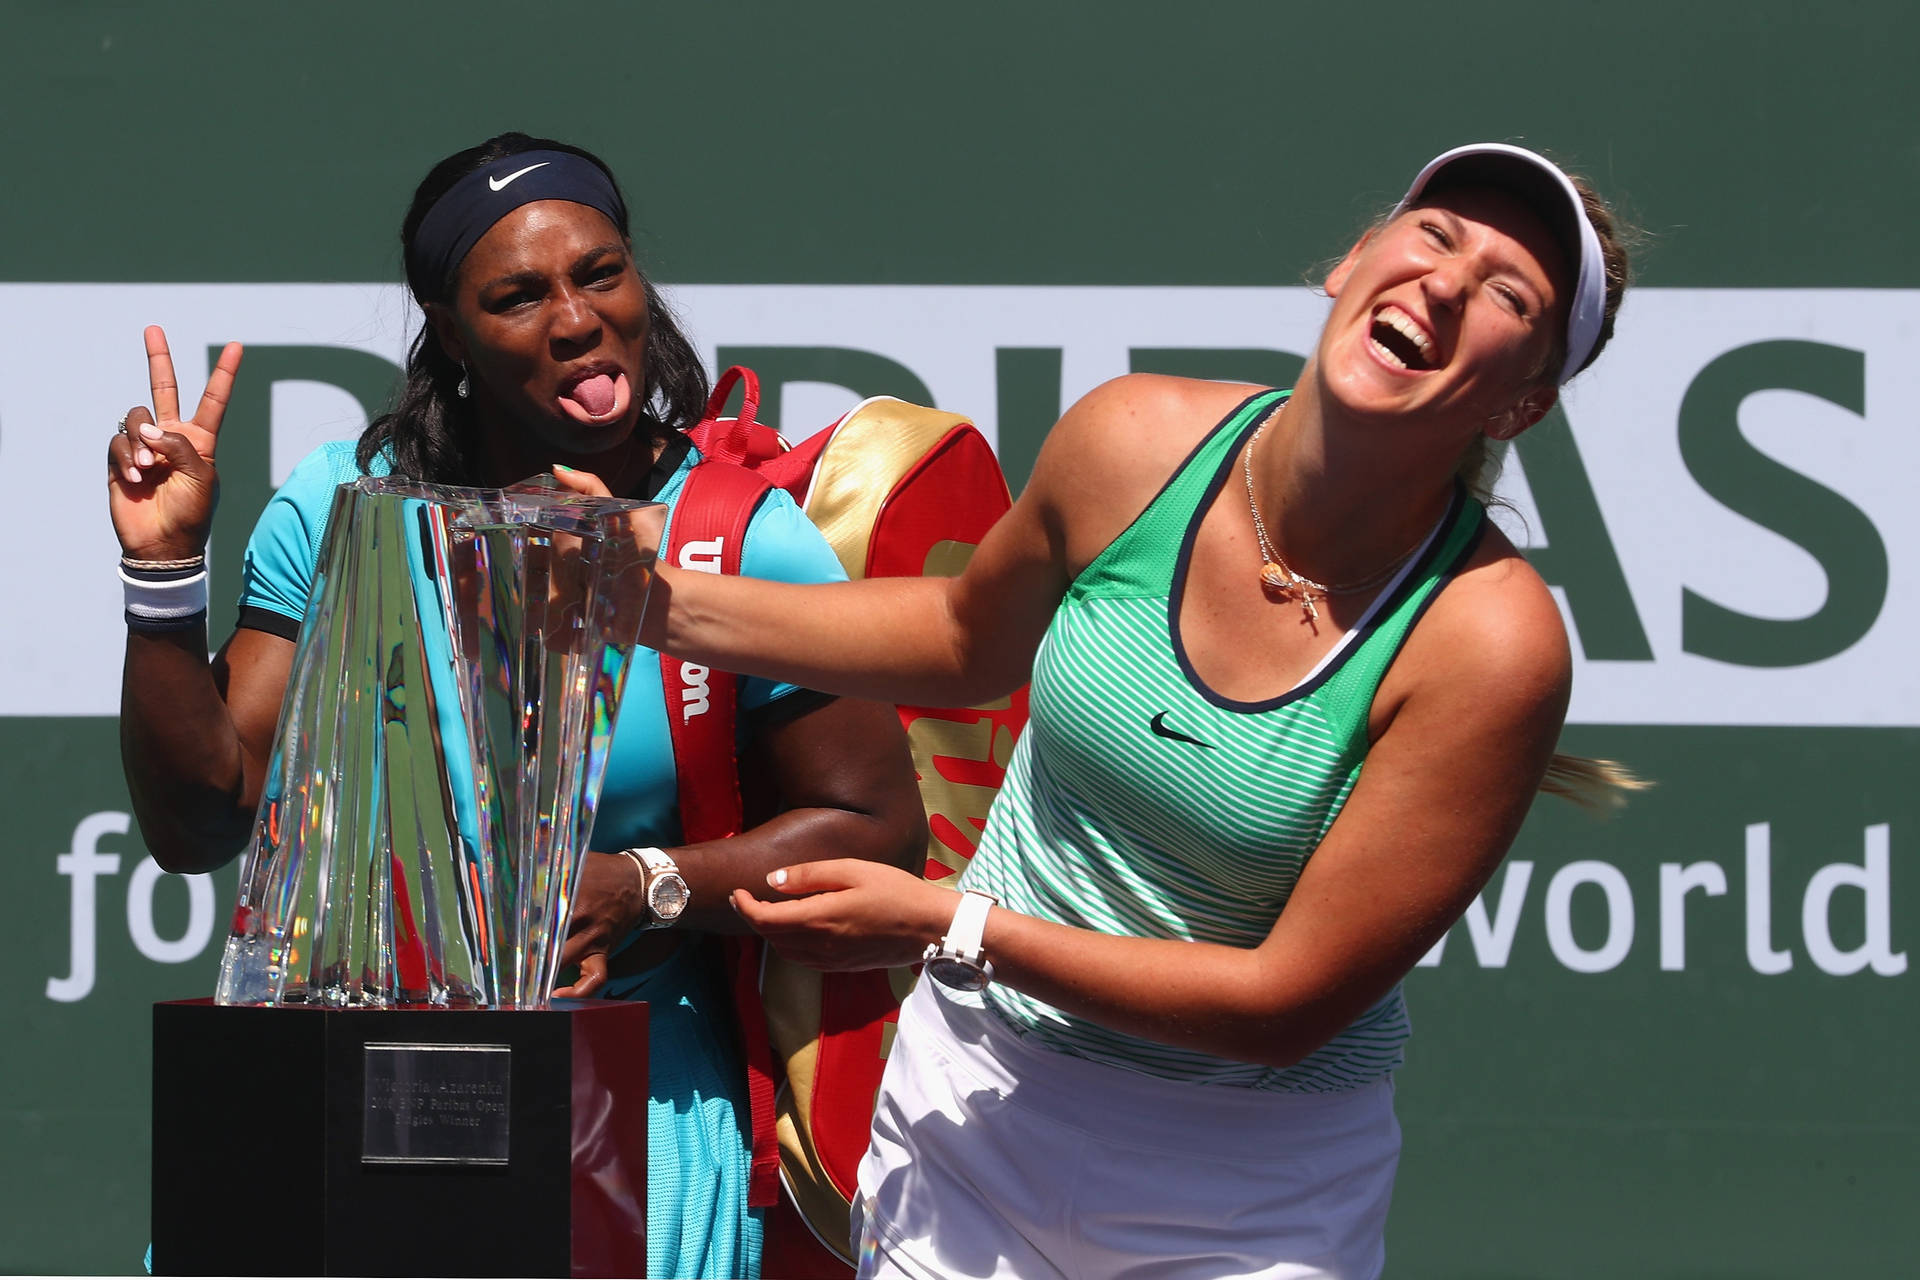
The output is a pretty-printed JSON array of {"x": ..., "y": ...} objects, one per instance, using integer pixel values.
[{"x": 1597, "y": 785}]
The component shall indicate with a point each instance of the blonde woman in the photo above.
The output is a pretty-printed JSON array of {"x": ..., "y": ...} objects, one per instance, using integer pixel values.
[{"x": 1292, "y": 696}]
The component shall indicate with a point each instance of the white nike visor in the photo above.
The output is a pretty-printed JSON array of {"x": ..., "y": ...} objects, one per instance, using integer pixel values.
[{"x": 1558, "y": 201}]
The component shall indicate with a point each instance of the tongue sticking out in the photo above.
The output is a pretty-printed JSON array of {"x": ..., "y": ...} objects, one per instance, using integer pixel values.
[{"x": 594, "y": 394}]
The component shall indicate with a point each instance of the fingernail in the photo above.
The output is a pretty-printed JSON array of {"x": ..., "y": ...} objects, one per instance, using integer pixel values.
[
  {"x": 133, "y": 474},
  {"x": 144, "y": 457},
  {"x": 734, "y": 903},
  {"x": 150, "y": 431},
  {"x": 558, "y": 467},
  {"x": 778, "y": 878}
]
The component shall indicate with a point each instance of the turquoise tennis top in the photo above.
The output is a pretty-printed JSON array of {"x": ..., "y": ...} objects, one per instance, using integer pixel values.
[{"x": 1141, "y": 802}]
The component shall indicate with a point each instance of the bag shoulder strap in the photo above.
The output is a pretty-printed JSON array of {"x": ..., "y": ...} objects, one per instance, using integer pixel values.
[{"x": 707, "y": 535}]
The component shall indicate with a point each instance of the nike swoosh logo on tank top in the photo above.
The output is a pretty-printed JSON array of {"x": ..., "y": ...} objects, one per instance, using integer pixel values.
[{"x": 1159, "y": 725}]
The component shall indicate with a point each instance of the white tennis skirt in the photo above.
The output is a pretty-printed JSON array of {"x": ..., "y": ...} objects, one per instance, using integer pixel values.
[{"x": 994, "y": 1157}]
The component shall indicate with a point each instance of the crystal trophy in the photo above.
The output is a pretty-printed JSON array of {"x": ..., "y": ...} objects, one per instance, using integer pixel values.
[{"x": 441, "y": 747}]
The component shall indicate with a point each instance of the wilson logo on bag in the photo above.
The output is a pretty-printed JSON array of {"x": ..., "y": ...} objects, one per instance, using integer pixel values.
[
  {"x": 704, "y": 556},
  {"x": 899, "y": 490},
  {"x": 694, "y": 697}
]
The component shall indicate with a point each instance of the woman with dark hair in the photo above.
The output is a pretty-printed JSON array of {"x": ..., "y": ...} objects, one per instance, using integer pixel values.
[
  {"x": 1291, "y": 696},
  {"x": 544, "y": 348}
]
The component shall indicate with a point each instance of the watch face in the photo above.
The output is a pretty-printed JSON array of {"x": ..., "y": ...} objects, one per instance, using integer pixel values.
[
  {"x": 667, "y": 897},
  {"x": 950, "y": 971}
]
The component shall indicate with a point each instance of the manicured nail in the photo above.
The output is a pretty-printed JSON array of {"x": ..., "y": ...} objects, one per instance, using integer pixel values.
[
  {"x": 150, "y": 431},
  {"x": 558, "y": 467},
  {"x": 144, "y": 457},
  {"x": 778, "y": 878},
  {"x": 133, "y": 474}
]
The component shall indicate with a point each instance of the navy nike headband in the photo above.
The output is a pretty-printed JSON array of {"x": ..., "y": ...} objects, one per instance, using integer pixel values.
[{"x": 473, "y": 204}]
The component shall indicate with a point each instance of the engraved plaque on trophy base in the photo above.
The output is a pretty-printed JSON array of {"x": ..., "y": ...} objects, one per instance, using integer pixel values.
[
  {"x": 386, "y": 1142},
  {"x": 428, "y": 1104}
]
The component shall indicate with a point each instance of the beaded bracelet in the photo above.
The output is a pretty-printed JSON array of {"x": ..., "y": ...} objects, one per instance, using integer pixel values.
[{"x": 191, "y": 562}]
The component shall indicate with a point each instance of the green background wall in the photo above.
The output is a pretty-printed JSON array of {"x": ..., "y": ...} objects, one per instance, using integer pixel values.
[{"x": 1710, "y": 1121}]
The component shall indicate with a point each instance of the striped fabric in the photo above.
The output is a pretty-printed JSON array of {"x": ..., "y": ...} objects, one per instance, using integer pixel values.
[{"x": 1140, "y": 802}]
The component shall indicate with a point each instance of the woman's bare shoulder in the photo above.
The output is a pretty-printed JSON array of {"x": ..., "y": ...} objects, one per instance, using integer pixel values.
[
  {"x": 1159, "y": 412},
  {"x": 1495, "y": 631},
  {"x": 1116, "y": 447}
]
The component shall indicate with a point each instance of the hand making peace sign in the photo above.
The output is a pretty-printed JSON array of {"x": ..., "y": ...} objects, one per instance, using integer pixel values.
[{"x": 161, "y": 483}]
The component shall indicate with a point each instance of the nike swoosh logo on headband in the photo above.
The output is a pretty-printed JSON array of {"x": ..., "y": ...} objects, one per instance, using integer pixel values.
[{"x": 500, "y": 184}]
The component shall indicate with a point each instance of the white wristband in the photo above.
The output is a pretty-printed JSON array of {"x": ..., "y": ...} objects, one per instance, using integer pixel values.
[{"x": 169, "y": 600}]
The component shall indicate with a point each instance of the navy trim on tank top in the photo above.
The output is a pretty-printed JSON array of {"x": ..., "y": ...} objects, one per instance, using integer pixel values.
[
  {"x": 1445, "y": 576},
  {"x": 1381, "y": 609}
]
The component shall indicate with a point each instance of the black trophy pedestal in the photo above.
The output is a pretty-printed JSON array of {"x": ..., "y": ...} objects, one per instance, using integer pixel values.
[{"x": 387, "y": 1142}]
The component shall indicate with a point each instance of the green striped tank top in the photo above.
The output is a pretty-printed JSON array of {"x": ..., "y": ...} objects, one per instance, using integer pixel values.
[{"x": 1140, "y": 802}]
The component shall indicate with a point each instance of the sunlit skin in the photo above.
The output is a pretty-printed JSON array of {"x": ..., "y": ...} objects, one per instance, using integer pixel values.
[
  {"x": 550, "y": 293},
  {"x": 1479, "y": 274}
]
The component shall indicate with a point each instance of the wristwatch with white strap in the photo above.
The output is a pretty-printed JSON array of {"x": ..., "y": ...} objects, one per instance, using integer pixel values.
[
  {"x": 959, "y": 960},
  {"x": 662, "y": 886}
]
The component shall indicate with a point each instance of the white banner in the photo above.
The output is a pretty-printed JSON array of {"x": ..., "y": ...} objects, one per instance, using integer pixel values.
[{"x": 1772, "y": 431}]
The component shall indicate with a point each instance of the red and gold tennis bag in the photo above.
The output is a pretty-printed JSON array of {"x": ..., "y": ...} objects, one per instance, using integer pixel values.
[{"x": 899, "y": 490}]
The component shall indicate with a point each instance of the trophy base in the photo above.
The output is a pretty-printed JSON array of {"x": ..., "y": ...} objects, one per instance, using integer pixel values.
[{"x": 390, "y": 1142}]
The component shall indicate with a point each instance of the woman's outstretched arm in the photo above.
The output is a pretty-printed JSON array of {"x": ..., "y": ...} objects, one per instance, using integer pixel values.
[
  {"x": 963, "y": 640},
  {"x": 933, "y": 641},
  {"x": 922, "y": 641}
]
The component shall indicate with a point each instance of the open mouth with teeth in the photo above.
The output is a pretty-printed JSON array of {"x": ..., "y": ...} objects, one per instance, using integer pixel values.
[{"x": 1399, "y": 341}]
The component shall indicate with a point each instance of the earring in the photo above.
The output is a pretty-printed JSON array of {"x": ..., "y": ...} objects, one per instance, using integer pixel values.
[{"x": 465, "y": 386}]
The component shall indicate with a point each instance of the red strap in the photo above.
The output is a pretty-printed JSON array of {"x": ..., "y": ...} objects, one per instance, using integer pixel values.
[
  {"x": 709, "y": 529},
  {"x": 728, "y": 439},
  {"x": 743, "y": 969},
  {"x": 753, "y": 449},
  {"x": 792, "y": 469}
]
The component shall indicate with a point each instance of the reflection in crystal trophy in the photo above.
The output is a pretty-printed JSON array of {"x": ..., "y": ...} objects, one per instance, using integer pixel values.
[{"x": 442, "y": 744}]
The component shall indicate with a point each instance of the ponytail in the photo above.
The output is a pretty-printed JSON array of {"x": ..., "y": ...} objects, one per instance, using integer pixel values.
[{"x": 1595, "y": 785}]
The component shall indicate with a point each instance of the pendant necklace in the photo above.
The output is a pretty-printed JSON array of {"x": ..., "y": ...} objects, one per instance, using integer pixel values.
[{"x": 1279, "y": 579}]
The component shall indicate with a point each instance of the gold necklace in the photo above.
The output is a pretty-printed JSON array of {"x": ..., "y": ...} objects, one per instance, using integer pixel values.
[{"x": 1280, "y": 580}]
